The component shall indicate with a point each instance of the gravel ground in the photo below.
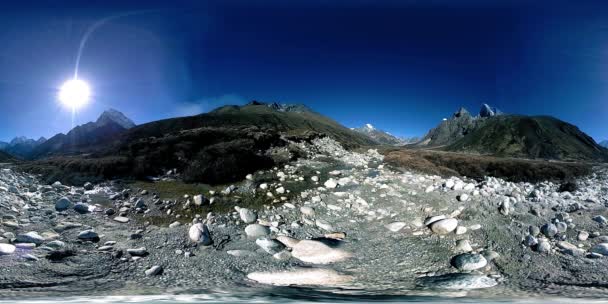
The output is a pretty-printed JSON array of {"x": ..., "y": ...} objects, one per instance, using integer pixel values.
[{"x": 354, "y": 227}]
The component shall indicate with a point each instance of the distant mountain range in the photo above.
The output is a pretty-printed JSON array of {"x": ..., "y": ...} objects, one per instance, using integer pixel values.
[
  {"x": 494, "y": 133},
  {"x": 604, "y": 143},
  {"x": 21, "y": 146},
  {"x": 87, "y": 138},
  {"x": 382, "y": 137}
]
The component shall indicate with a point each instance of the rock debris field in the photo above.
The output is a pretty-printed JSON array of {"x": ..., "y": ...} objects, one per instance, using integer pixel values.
[{"x": 335, "y": 219}]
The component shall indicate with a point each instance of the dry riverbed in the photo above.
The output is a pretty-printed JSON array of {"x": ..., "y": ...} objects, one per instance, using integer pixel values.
[{"x": 337, "y": 221}]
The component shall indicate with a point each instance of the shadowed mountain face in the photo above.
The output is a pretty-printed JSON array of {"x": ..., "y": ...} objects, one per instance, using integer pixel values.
[
  {"x": 87, "y": 138},
  {"x": 450, "y": 130},
  {"x": 289, "y": 120},
  {"x": 529, "y": 137},
  {"x": 497, "y": 134},
  {"x": 216, "y": 147}
]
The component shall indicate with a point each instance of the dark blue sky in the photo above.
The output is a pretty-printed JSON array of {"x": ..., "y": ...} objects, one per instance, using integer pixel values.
[{"x": 400, "y": 65}]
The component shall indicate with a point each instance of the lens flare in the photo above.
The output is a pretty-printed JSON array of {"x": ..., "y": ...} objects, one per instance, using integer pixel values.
[{"x": 74, "y": 93}]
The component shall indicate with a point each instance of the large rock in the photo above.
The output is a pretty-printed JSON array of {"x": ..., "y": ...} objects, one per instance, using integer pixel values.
[
  {"x": 199, "y": 233},
  {"x": 269, "y": 245},
  {"x": 601, "y": 248},
  {"x": 256, "y": 230},
  {"x": 317, "y": 252},
  {"x": 458, "y": 281},
  {"x": 6, "y": 249},
  {"x": 444, "y": 226},
  {"x": 63, "y": 204},
  {"x": 549, "y": 230},
  {"x": 248, "y": 216},
  {"x": 469, "y": 261},
  {"x": 81, "y": 208},
  {"x": 30, "y": 237},
  {"x": 89, "y": 235},
  {"x": 303, "y": 276}
]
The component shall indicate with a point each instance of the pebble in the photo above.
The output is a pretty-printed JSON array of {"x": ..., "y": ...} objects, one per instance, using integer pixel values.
[
  {"x": 463, "y": 246},
  {"x": 256, "y": 230},
  {"x": 395, "y": 226},
  {"x": 88, "y": 235},
  {"x": 549, "y": 230},
  {"x": 330, "y": 184},
  {"x": 63, "y": 204},
  {"x": 325, "y": 225},
  {"x": 269, "y": 245},
  {"x": 302, "y": 276},
  {"x": 199, "y": 233},
  {"x": 30, "y": 237},
  {"x": 317, "y": 252},
  {"x": 121, "y": 219},
  {"x": 154, "y": 270},
  {"x": 444, "y": 226},
  {"x": 248, "y": 216},
  {"x": 6, "y": 249},
  {"x": 463, "y": 197},
  {"x": 141, "y": 251},
  {"x": 583, "y": 235},
  {"x": 543, "y": 246},
  {"x": 601, "y": 248},
  {"x": 308, "y": 211},
  {"x": 469, "y": 261},
  {"x": 458, "y": 281}
]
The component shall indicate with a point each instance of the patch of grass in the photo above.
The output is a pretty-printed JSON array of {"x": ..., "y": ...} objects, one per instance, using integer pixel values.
[{"x": 477, "y": 166}]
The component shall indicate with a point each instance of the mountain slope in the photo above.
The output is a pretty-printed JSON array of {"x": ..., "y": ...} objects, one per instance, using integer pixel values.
[
  {"x": 256, "y": 114},
  {"x": 90, "y": 137},
  {"x": 529, "y": 137},
  {"x": 449, "y": 130}
]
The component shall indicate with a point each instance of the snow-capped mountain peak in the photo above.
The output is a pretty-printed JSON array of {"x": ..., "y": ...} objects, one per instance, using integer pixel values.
[
  {"x": 369, "y": 126},
  {"x": 116, "y": 117}
]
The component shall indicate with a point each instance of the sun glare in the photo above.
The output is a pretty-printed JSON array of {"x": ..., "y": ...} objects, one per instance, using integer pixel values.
[{"x": 74, "y": 93}]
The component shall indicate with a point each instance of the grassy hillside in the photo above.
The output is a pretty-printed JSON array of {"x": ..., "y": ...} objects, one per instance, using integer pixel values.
[
  {"x": 261, "y": 116},
  {"x": 533, "y": 137}
]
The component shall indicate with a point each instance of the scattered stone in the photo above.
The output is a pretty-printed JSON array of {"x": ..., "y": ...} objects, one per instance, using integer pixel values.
[
  {"x": 469, "y": 261},
  {"x": 63, "y": 204},
  {"x": 543, "y": 246},
  {"x": 325, "y": 225},
  {"x": 463, "y": 197},
  {"x": 444, "y": 226},
  {"x": 600, "y": 219},
  {"x": 530, "y": 241},
  {"x": 317, "y": 252},
  {"x": 154, "y": 270},
  {"x": 308, "y": 211},
  {"x": 463, "y": 246},
  {"x": 30, "y": 237},
  {"x": 6, "y": 249},
  {"x": 458, "y": 281},
  {"x": 89, "y": 235},
  {"x": 81, "y": 208},
  {"x": 549, "y": 230},
  {"x": 248, "y": 216},
  {"x": 395, "y": 226},
  {"x": 330, "y": 184},
  {"x": 601, "y": 248},
  {"x": 302, "y": 276},
  {"x": 583, "y": 235},
  {"x": 199, "y": 233},
  {"x": 88, "y": 186},
  {"x": 269, "y": 245},
  {"x": 138, "y": 252}
]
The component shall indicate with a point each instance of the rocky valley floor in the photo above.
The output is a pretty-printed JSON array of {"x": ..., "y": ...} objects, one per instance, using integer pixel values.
[{"x": 333, "y": 223}]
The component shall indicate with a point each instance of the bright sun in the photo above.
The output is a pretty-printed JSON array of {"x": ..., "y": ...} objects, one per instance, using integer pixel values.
[{"x": 74, "y": 93}]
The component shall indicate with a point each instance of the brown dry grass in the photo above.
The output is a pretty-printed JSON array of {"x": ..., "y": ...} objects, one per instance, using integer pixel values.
[{"x": 478, "y": 166}]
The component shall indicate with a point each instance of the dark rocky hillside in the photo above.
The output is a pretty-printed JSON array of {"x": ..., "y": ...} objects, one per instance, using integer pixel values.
[
  {"x": 5, "y": 157},
  {"x": 91, "y": 137},
  {"x": 217, "y": 147},
  {"x": 529, "y": 137}
]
